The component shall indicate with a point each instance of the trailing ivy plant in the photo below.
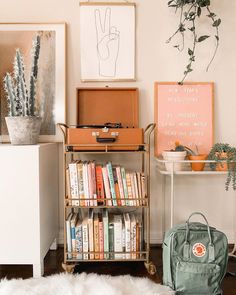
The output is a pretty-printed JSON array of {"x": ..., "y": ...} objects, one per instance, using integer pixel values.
[
  {"x": 190, "y": 11},
  {"x": 223, "y": 152}
]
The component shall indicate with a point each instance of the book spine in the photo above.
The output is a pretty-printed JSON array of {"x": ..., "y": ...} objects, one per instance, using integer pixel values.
[
  {"x": 90, "y": 184},
  {"x": 136, "y": 188},
  {"x": 81, "y": 183},
  {"x": 79, "y": 241},
  {"x": 85, "y": 181},
  {"x": 99, "y": 184},
  {"x": 106, "y": 185},
  {"x": 96, "y": 237},
  {"x": 95, "y": 203},
  {"x": 133, "y": 188},
  {"x": 122, "y": 195},
  {"x": 101, "y": 240},
  {"x": 85, "y": 239},
  {"x": 133, "y": 237},
  {"x": 117, "y": 191},
  {"x": 74, "y": 183},
  {"x": 91, "y": 235},
  {"x": 106, "y": 233},
  {"x": 129, "y": 189},
  {"x": 68, "y": 237},
  {"x": 143, "y": 187},
  {"x": 118, "y": 236},
  {"x": 111, "y": 240},
  {"x": 139, "y": 188},
  {"x": 127, "y": 235},
  {"x": 112, "y": 184},
  {"x": 68, "y": 185},
  {"x": 123, "y": 175}
]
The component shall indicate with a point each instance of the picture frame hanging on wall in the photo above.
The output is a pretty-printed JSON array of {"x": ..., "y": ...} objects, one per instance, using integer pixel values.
[
  {"x": 184, "y": 114},
  {"x": 107, "y": 41},
  {"x": 51, "y": 82}
]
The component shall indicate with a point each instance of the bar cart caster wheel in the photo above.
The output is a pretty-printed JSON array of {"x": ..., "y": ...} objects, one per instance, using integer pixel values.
[
  {"x": 68, "y": 268},
  {"x": 151, "y": 268}
]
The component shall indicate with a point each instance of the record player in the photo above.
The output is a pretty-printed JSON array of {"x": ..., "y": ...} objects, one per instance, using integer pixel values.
[{"x": 106, "y": 117}]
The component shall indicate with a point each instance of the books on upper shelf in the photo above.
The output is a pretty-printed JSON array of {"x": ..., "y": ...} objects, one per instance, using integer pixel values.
[
  {"x": 90, "y": 184},
  {"x": 100, "y": 235}
]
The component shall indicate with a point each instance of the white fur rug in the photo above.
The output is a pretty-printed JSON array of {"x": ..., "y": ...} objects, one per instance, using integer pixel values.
[{"x": 83, "y": 284}]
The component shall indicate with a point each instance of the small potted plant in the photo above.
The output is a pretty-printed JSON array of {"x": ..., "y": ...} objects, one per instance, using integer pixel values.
[
  {"x": 23, "y": 122},
  {"x": 225, "y": 160},
  {"x": 196, "y": 156},
  {"x": 174, "y": 158}
]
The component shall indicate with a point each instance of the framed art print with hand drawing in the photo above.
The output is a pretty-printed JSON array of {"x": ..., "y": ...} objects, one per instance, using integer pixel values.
[{"x": 107, "y": 41}]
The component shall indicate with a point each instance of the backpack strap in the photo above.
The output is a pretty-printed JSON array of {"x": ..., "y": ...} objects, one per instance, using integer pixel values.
[{"x": 186, "y": 250}]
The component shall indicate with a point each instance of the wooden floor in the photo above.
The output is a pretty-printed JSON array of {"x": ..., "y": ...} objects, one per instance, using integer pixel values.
[{"x": 54, "y": 259}]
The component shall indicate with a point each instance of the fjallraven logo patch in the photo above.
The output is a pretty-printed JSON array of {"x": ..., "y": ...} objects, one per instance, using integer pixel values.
[{"x": 199, "y": 250}]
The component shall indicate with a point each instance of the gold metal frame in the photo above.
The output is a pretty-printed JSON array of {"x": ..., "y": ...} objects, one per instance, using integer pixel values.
[{"x": 69, "y": 263}]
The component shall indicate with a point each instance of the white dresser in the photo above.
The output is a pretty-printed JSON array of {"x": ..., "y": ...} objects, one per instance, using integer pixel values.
[{"x": 28, "y": 203}]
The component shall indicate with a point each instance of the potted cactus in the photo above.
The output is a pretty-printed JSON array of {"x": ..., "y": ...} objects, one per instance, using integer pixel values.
[{"x": 23, "y": 122}]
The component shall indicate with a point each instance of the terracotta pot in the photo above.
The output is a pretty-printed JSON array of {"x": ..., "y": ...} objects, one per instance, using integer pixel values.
[
  {"x": 198, "y": 166},
  {"x": 222, "y": 166}
]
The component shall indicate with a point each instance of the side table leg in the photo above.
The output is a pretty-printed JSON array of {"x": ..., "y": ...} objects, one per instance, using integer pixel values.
[{"x": 38, "y": 269}]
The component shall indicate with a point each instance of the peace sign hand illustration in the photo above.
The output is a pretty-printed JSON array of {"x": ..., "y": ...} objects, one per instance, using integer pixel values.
[{"x": 108, "y": 39}]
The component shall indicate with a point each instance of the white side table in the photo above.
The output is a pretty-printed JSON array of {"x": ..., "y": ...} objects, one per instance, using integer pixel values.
[
  {"x": 172, "y": 174},
  {"x": 28, "y": 203}
]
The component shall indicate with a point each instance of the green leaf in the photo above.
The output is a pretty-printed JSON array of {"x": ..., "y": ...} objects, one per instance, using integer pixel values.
[
  {"x": 190, "y": 52},
  {"x": 202, "y": 38},
  {"x": 216, "y": 23},
  {"x": 217, "y": 38},
  {"x": 199, "y": 11},
  {"x": 191, "y": 29}
]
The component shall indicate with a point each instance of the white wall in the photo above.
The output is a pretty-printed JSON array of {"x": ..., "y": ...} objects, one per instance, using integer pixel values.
[{"x": 157, "y": 61}]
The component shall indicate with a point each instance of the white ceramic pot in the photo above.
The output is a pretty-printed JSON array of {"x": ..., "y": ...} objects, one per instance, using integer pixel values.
[
  {"x": 174, "y": 157},
  {"x": 23, "y": 130}
]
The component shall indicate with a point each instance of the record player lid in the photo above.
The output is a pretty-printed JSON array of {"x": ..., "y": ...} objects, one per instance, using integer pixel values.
[{"x": 98, "y": 105}]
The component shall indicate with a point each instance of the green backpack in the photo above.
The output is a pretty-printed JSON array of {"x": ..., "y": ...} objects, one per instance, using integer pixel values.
[{"x": 195, "y": 258}]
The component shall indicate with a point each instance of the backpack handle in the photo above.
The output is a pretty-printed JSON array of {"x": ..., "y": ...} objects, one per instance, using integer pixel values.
[{"x": 187, "y": 245}]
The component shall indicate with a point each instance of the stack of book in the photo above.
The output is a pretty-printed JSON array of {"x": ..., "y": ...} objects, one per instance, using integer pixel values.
[
  {"x": 91, "y": 184},
  {"x": 101, "y": 236}
]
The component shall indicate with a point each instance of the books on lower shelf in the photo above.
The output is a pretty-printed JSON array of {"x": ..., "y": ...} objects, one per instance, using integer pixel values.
[
  {"x": 91, "y": 184},
  {"x": 101, "y": 235}
]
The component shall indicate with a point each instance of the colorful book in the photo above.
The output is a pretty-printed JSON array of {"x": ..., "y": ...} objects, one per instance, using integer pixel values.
[
  {"x": 123, "y": 175},
  {"x": 112, "y": 183},
  {"x": 107, "y": 186},
  {"x": 96, "y": 235},
  {"x": 86, "y": 185},
  {"x": 136, "y": 188},
  {"x": 111, "y": 239},
  {"x": 90, "y": 233},
  {"x": 120, "y": 183},
  {"x": 138, "y": 175},
  {"x": 116, "y": 184},
  {"x": 129, "y": 189},
  {"x": 79, "y": 239},
  {"x": 74, "y": 183},
  {"x": 68, "y": 185},
  {"x": 133, "y": 236},
  {"x": 81, "y": 183},
  {"x": 85, "y": 238},
  {"x": 72, "y": 227},
  {"x": 133, "y": 188},
  {"x": 127, "y": 235},
  {"x": 68, "y": 236},
  {"x": 105, "y": 232},
  {"x": 143, "y": 188},
  {"x": 101, "y": 239},
  {"x": 118, "y": 236},
  {"x": 94, "y": 189},
  {"x": 99, "y": 185}
]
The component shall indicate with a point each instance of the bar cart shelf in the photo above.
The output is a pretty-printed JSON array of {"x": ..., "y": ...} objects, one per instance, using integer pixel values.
[{"x": 143, "y": 150}]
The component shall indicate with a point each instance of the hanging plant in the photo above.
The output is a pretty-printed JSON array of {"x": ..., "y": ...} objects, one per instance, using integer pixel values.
[{"x": 190, "y": 11}]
